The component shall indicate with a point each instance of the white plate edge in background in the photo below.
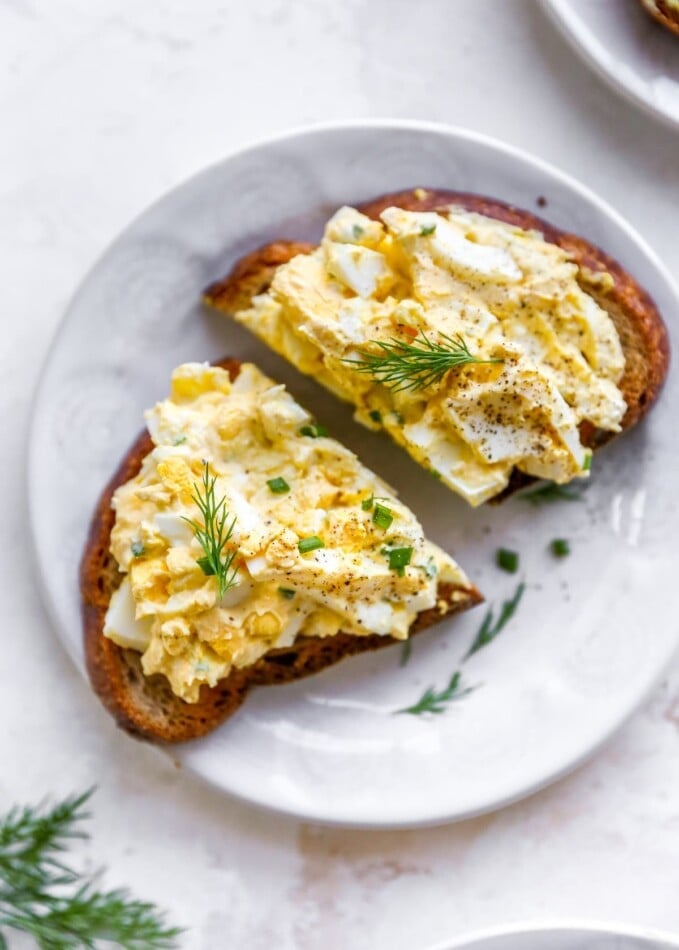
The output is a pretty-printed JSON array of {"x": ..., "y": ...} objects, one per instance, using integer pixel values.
[
  {"x": 550, "y": 927},
  {"x": 577, "y": 36}
]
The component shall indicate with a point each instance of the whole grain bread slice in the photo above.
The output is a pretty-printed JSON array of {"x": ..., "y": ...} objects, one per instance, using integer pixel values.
[
  {"x": 642, "y": 333},
  {"x": 145, "y": 706}
]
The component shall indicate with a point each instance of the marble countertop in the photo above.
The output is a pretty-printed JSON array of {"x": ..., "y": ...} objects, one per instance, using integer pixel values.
[{"x": 105, "y": 106}]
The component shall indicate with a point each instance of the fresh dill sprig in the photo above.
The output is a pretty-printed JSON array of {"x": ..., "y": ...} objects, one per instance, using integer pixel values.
[
  {"x": 436, "y": 702},
  {"x": 490, "y": 628},
  {"x": 214, "y": 534},
  {"x": 553, "y": 492},
  {"x": 58, "y": 906},
  {"x": 413, "y": 366}
]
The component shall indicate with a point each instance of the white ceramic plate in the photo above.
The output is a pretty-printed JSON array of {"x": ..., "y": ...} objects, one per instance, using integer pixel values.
[
  {"x": 564, "y": 937},
  {"x": 637, "y": 56},
  {"x": 591, "y": 637}
]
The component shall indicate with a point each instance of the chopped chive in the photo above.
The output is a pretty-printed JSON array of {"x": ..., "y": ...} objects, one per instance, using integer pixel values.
[
  {"x": 427, "y": 229},
  {"x": 399, "y": 558},
  {"x": 507, "y": 560},
  {"x": 278, "y": 486},
  {"x": 357, "y": 231},
  {"x": 367, "y": 503},
  {"x": 429, "y": 569},
  {"x": 398, "y": 417},
  {"x": 560, "y": 547},
  {"x": 382, "y": 517},
  {"x": 587, "y": 464},
  {"x": 435, "y": 472},
  {"x": 310, "y": 544},
  {"x": 314, "y": 431},
  {"x": 375, "y": 415},
  {"x": 286, "y": 592},
  {"x": 137, "y": 549},
  {"x": 206, "y": 566},
  {"x": 179, "y": 440}
]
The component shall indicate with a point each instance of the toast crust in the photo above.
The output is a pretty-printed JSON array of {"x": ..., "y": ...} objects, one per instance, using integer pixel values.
[
  {"x": 145, "y": 706},
  {"x": 642, "y": 333},
  {"x": 254, "y": 272},
  {"x": 661, "y": 11}
]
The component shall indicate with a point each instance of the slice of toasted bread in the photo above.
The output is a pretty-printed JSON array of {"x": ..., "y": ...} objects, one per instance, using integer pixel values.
[
  {"x": 145, "y": 706},
  {"x": 664, "y": 13},
  {"x": 642, "y": 333}
]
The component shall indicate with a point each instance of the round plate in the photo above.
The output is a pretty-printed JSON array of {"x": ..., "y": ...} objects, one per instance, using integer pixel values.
[
  {"x": 590, "y": 638},
  {"x": 634, "y": 53},
  {"x": 564, "y": 937}
]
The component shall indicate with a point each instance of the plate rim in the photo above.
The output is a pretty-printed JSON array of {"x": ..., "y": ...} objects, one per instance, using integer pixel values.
[
  {"x": 561, "y": 17},
  {"x": 555, "y": 926},
  {"x": 295, "y": 133}
]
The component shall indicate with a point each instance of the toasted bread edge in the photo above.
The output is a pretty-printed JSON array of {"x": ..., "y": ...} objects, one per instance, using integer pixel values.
[{"x": 663, "y": 15}]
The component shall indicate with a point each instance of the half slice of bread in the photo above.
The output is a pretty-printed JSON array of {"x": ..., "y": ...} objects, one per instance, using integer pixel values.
[
  {"x": 145, "y": 706},
  {"x": 642, "y": 332}
]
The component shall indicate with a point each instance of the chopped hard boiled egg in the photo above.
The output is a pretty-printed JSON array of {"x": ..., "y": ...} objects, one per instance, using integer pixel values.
[
  {"x": 309, "y": 560},
  {"x": 545, "y": 356},
  {"x": 358, "y": 268}
]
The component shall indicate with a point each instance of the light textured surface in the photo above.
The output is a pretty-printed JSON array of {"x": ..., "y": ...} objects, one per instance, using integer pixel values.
[{"x": 103, "y": 107}]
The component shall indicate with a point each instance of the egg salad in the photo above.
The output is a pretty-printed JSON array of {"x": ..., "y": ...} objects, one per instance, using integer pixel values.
[
  {"x": 541, "y": 355},
  {"x": 302, "y": 540}
]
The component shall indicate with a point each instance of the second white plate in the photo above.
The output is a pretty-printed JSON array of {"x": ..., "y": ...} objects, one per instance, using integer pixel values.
[
  {"x": 639, "y": 57},
  {"x": 564, "y": 937},
  {"x": 592, "y": 634}
]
